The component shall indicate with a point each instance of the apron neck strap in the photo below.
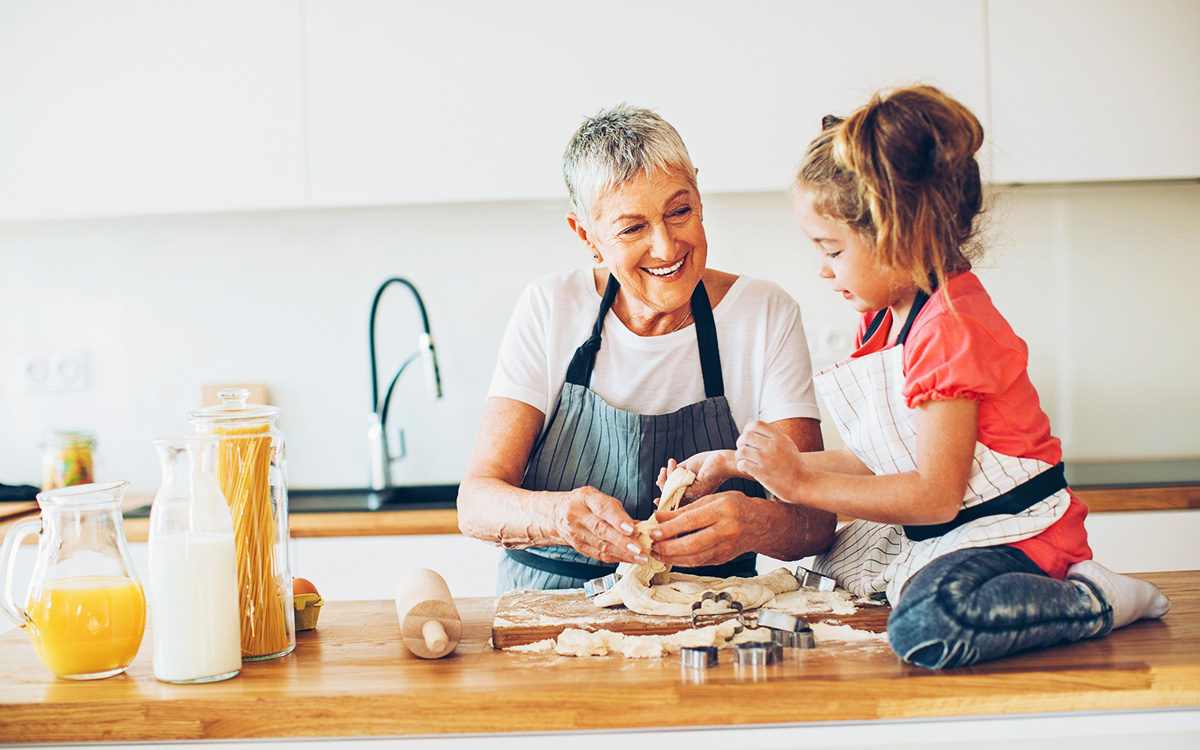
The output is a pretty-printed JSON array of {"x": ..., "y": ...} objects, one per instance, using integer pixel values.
[
  {"x": 706, "y": 339},
  {"x": 579, "y": 372},
  {"x": 918, "y": 303},
  {"x": 583, "y": 361}
]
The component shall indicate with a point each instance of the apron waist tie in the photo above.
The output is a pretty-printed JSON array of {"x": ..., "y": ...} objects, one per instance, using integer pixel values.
[
  {"x": 1019, "y": 498},
  {"x": 743, "y": 567}
]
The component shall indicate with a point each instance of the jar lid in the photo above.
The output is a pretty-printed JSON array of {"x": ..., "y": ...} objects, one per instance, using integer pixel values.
[
  {"x": 63, "y": 438},
  {"x": 233, "y": 409}
]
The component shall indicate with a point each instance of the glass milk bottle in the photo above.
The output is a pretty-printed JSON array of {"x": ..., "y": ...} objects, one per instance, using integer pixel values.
[
  {"x": 251, "y": 471},
  {"x": 85, "y": 610},
  {"x": 193, "y": 586}
]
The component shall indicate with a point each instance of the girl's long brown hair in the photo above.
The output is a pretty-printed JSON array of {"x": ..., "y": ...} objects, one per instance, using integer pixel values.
[{"x": 902, "y": 172}]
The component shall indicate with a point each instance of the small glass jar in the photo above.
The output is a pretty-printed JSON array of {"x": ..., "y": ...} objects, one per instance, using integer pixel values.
[
  {"x": 252, "y": 473},
  {"x": 67, "y": 459}
]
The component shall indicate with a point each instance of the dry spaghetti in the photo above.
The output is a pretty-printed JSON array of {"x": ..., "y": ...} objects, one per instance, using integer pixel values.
[{"x": 243, "y": 470}]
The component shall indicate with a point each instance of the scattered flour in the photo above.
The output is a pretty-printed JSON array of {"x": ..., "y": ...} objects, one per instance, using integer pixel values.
[
  {"x": 827, "y": 631},
  {"x": 804, "y": 601}
]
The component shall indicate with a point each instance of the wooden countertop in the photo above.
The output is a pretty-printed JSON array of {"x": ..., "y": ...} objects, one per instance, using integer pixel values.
[{"x": 352, "y": 677}]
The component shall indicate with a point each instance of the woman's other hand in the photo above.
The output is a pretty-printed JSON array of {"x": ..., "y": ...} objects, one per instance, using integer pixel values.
[
  {"x": 596, "y": 525},
  {"x": 768, "y": 455}
]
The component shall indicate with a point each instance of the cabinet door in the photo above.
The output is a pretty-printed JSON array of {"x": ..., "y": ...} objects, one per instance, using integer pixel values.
[
  {"x": 460, "y": 101},
  {"x": 1086, "y": 90},
  {"x": 114, "y": 107}
]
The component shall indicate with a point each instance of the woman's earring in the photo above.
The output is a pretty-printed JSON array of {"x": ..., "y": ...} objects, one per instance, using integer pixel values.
[{"x": 596, "y": 257}]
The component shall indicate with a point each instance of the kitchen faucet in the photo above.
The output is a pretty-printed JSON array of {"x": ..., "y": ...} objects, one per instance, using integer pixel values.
[{"x": 379, "y": 456}]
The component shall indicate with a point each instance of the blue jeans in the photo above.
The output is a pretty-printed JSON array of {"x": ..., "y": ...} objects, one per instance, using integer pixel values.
[{"x": 979, "y": 604}]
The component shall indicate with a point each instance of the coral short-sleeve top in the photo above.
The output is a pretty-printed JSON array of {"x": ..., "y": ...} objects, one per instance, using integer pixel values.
[{"x": 970, "y": 351}]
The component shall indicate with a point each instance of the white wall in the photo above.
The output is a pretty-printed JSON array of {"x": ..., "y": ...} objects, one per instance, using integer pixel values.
[{"x": 1098, "y": 279}]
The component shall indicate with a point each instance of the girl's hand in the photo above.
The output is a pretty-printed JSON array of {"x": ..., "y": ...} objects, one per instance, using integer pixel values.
[
  {"x": 772, "y": 459},
  {"x": 597, "y": 525},
  {"x": 712, "y": 469}
]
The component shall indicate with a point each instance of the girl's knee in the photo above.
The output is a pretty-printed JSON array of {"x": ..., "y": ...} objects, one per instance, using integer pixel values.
[{"x": 921, "y": 635}]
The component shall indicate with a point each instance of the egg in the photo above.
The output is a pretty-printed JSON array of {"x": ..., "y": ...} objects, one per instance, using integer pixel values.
[{"x": 303, "y": 586}]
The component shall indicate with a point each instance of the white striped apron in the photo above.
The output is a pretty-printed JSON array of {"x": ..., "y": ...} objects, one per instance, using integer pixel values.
[{"x": 865, "y": 399}]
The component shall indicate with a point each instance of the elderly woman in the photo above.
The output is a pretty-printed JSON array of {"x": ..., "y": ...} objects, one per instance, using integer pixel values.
[{"x": 608, "y": 372}]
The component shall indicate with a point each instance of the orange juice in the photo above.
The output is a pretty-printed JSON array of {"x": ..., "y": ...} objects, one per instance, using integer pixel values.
[{"x": 87, "y": 627}]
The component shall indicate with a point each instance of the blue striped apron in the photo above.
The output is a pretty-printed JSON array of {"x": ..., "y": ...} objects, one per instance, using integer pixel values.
[{"x": 590, "y": 443}]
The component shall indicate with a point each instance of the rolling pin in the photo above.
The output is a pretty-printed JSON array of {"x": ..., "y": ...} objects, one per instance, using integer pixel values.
[{"x": 429, "y": 622}]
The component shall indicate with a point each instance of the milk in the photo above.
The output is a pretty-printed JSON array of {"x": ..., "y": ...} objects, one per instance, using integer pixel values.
[{"x": 194, "y": 607}]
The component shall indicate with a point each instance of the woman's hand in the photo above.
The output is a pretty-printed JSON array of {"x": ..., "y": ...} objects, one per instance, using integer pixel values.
[
  {"x": 712, "y": 469},
  {"x": 596, "y": 525},
  {"x": 772, "y": 459},
  {"x": 709, "y": 531}
]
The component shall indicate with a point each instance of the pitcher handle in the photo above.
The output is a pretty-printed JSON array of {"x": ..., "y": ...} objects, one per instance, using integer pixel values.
[{"x": 8, "y": 556}]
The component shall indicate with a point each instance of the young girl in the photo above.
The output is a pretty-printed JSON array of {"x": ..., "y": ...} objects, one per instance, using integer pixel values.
[{"x": 966, "y": 522}]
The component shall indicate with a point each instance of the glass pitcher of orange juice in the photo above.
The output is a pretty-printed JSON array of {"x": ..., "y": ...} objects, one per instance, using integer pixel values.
[{"x": 85, "y": 609}]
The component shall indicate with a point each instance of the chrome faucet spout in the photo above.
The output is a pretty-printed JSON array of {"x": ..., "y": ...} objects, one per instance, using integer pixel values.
[{"x": 379, "y": 456}]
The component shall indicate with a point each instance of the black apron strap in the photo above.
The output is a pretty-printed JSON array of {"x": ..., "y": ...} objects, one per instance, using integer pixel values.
[
  {"x": 706, "y": 340},
  {"x": 583, "y": 361},
  {"x": 565, "y": 568},
  {"x": 918, "y": 303},
  {"x": 1019, "y": 498}
]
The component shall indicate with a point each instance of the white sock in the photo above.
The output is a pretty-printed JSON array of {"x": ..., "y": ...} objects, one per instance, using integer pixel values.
[{"x": 1131, "y": 599}]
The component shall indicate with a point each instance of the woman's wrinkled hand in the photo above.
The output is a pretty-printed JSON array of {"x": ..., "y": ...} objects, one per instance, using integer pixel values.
[
  {"x": 712, "y": 469},
  {"x": 769, "y": 456},
  {"x": 712, "y": 530},
  {"x": 597, "y": 525}
]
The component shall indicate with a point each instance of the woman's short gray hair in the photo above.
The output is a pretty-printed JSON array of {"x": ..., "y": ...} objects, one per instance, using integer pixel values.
[{"x": 612, "y": 147}]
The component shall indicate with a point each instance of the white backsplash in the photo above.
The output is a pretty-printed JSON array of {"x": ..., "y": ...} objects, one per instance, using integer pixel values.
[{"x": 1099, "y": 280}]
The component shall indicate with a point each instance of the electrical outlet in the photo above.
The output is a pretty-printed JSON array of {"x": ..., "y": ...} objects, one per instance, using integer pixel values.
[
  {"x": 832, "y": 343},
  {"x": 63, "y": 371}
]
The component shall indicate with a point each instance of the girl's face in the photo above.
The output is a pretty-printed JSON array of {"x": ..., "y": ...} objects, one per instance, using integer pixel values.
[
  {"x": 848, "y": 260},
  {"x": 649, "y": 233}
]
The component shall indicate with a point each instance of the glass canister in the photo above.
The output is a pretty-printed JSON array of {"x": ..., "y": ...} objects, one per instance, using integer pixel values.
[
  {"x": 251, "y": 470},
  {"x": 193, "y": 580},
  {"x": 67, "y": 459},
  {"x": 85, "y": 610}
]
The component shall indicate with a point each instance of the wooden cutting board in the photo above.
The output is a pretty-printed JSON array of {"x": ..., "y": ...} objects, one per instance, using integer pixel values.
[{"x": 528, "y": 616}]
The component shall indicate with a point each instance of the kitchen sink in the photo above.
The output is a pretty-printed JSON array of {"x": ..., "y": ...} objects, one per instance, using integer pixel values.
[{"x": 410, "y": 497}]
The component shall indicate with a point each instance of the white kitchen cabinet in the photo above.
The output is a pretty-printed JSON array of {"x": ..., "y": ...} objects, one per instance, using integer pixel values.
[
  {"x": 1095, "y": 90},
  {"x": 447, "y": 102},
  {"x": 124, "y": 107}
]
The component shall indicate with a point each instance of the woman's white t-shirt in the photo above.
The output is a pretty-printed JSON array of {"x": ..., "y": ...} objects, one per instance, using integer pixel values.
[{"x": 764, "y": 355}]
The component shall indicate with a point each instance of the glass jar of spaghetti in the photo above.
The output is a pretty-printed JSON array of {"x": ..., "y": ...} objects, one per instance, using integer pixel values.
[{"x": 251, "y": 469}]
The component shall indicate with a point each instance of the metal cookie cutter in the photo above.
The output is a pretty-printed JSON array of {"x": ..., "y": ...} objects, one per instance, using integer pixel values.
[
  {"x": 810, "y": 580},
  {"x": 600, "y": 585},
  {"x": 787, "y": 630},
  {"x": 712, "y": 596},
  {"x": 698, "y": 657},
  {"x": 756, "y": 654}
]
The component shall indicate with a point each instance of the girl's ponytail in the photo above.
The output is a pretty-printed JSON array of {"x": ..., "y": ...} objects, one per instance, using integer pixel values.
[{"x": 902, "y": 170}]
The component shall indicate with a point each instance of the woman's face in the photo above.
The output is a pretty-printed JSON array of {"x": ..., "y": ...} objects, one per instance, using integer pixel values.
[
  {"x": 847, "y": 259},
  {"x": 649, "y": 233}
]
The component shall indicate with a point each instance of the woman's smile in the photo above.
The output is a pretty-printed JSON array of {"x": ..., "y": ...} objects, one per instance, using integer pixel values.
[{"x": 664, "y": 272}]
